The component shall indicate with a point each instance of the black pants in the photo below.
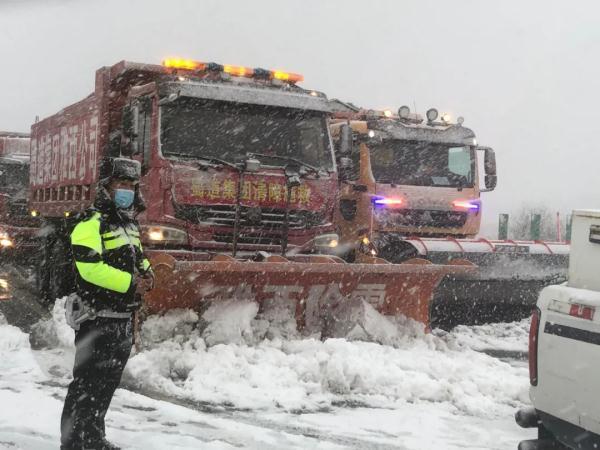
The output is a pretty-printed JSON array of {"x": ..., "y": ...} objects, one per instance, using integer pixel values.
[{"x": 102, "y": 350}]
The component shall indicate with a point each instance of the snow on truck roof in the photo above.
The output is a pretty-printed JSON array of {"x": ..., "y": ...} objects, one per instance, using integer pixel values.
[
  {"x": 227, "y": 83},
  {"x": 250, "y": 94},
  {"x": 218, "y": 82},
  {"x": 411, "y": 127},
  {"x": 14, "y": 134},
  {"x": 448, "y": 134},
  {"x": 21, "y": 160}
]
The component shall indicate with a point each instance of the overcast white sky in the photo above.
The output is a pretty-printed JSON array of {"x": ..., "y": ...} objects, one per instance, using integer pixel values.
[{"x": 524, "y": 74}]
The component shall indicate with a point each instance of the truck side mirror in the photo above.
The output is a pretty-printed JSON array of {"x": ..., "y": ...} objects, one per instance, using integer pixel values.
[
  {"x": 345, "y": 139},
  {"x": 489, "y": 166},
  {"x": 129, "y": 130},
  {"x": 144, "y": 125}
]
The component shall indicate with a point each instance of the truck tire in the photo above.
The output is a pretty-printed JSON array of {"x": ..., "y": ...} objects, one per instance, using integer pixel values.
[
  {"x": 395, "y": 249},
  {"x": 41, "y": 274},
  {"x": 55, "y": 273}
]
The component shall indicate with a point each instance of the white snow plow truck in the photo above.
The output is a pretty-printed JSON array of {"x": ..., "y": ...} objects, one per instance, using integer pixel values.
[{"x": 564, "y": 350}]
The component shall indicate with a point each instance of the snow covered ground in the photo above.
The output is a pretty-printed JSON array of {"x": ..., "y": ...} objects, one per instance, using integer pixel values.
[
  {"x": 31, "y": 402},
  {"x": 425, "y": 391}
]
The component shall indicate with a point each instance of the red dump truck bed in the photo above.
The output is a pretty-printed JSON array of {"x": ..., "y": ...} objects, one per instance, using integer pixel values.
[
  {"x": 64, "y": 157},
  {"x": 14, "y": 144}
]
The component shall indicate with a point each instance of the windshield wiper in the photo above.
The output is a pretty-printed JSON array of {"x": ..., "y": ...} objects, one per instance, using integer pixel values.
[
  {"x": 208, "y": 159},
  {"x": 315, "y": 170},
  {"x": 211, "y": 159}
]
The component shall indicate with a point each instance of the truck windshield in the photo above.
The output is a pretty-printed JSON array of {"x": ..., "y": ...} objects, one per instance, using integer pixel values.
[
  {"x": 14, "y": 178},
  {"x": 419, "y": 163},
  {"x": 229, "y": 131}
]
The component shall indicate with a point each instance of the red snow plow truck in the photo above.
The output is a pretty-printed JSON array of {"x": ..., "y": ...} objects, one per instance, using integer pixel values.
[
  {"x": 410, "y": 188},
  {"x": 17, "y": 226},
  {"x": 240, "y": 183}
]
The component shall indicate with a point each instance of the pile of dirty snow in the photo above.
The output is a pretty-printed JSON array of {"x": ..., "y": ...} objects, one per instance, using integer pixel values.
[
  {"x": 53, "y": 332},
  {"x": 234, "y": 358},
  {"x": 32, "y": 401},
  {"x": 494, "y": 337},
  {"x": 311, "y": 375}
]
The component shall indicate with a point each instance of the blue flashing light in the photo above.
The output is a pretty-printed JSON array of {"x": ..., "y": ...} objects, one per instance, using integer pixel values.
[
  {"x": 386, "y": 202},
  {"x": 469, "y": 205}
]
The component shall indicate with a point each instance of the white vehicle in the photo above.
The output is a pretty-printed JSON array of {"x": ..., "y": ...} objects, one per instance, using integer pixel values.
[{"x": 564, "y": 350}]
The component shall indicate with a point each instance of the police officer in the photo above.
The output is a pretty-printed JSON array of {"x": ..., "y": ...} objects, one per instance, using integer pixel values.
[{"x": 112, "y": 274}]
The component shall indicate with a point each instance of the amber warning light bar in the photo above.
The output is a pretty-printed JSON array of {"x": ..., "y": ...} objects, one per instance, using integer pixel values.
[{"x": 236, "y": 71}]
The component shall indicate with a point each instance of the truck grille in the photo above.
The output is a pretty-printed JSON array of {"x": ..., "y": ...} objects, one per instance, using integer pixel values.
[
  {"x": 265, "y": 218},
  {"x": 250, "y": 238},
  {"x": 423, "y": 218},
  {"x": 18, "y": 208}
]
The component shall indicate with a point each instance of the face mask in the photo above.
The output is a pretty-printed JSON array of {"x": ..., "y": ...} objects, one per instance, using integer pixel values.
[{"x": 124, "y": 198}]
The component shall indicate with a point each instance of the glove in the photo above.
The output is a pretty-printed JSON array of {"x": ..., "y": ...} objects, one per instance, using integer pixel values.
[{"x": 144, "y": 283}]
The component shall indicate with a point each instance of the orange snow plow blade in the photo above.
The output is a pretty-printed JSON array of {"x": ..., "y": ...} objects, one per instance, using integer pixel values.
[{"x": 312, "y": 284}]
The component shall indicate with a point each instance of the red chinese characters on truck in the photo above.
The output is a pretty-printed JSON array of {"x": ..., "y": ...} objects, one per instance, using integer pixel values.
[
  {"x": 64, "y": 157},
  {"x": 267, "y": 189}
]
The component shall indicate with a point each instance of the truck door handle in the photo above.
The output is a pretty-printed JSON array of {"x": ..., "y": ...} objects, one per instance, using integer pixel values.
[{"x": 595, "y": 234}]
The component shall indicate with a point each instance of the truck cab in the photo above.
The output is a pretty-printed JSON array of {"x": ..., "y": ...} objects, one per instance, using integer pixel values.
[
  {"x": 404, "y": 177},
  {"x": 242, "y": 167},
  {"x": 16, "y": 225}
]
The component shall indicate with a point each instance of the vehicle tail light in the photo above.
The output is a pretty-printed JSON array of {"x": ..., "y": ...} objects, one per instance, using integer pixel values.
[
  {"x": 533, "y": 346},
  {"x": 582, "y": 312},
  {"x": 572, "y": 309}
]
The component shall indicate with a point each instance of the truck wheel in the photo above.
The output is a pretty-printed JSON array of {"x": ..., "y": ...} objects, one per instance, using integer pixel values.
[
  {"x": 42, "y": 276},
  {"x": 394, "y": 249},
  {"x": 54, "y": 271}
]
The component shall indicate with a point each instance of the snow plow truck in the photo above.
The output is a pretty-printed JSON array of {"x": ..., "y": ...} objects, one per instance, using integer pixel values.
[
  {"x": 410, "y": 188},
  {"x": 17, "y": 226},
  {"x": 240, "y": 182}
]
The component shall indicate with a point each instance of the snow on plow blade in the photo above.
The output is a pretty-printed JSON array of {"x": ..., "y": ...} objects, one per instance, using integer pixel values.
[{"x": 311, "y": 286}]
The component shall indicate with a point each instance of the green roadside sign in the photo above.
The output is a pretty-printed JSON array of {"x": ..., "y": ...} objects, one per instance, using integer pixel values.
[
  {"x": 535, "y": 230},
  {"x": 503, "y": 227}
]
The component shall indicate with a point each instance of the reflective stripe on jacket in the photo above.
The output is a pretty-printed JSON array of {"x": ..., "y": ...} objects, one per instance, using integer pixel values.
[{"x": 107, "y": 253}]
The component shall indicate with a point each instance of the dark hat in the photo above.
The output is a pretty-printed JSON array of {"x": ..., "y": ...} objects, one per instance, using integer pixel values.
[{"x": 120, "y": 169}]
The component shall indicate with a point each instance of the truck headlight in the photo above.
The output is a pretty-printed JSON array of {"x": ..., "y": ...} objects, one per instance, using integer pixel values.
[
  {"x": 164, "y": 235},
  {"x": 327, "y": 241},
  {"x": 5, "y": 240}
]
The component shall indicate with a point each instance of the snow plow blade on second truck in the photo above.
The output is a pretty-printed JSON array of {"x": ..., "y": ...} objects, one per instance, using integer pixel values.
[{"x": 314, "y": 289}]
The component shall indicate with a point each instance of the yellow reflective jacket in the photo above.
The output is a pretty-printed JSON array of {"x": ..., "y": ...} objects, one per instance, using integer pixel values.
[{"x": 107, "y": 253}]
